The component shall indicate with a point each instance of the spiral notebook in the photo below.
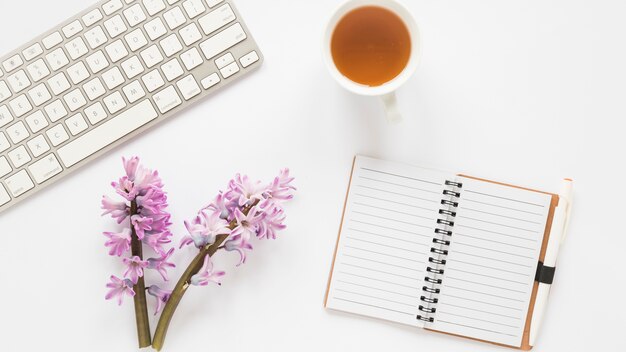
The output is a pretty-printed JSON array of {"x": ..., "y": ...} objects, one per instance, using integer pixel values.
[{"x": 445, "y": 252}]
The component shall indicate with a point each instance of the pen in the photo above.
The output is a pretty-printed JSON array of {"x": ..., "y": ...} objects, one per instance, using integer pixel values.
[{"x": 557, "y": 236}]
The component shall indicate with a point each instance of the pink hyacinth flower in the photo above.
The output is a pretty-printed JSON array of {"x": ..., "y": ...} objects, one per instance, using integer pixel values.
[
  {"x": 118, "y": 210},
  {"x": 206, "y": 274},
  {"x": 245, "y": 190},
  {"x": 141, "y": 225},
  {"x": 134, "y": 268},
  {"x": 119, "y": 288},
  {"x": 205, "y": 228},
  {"x": 247, "y": 224},
  {"x": 161, "y": 264},
  {"x": 272, "y": 222},
  {"x": 239, "y": 244},
  {"x": 119, "y": 242},
  {"x": 161, "y": 295}
]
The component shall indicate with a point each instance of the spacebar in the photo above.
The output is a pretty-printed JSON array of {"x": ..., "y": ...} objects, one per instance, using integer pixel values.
[{"x": 107, "y": 133}]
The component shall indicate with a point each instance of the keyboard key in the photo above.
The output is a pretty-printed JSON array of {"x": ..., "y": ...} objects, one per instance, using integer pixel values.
[
  {"x": 116, "y": 50},
  {"x": 92, "y": 17},
  {"x": 136, "y": 40},
  {"x": 97, "y": 61},
  {"x": 5, "y": 116},
  {"x": 171, "y": 45},
  {"x": 32, "y": 51},
  {"x": 78, "y": 72},
  {"x": 37, "y": 121},
  {"x": 5, "y": 93},
  {"x": 155, "y": 29},
  {"x": 212, "y": 3},
  {"x": 75, "y": 100},
  {"x": 210, "y": 81},
  {"x": 112, "y": 6},
  {"x": 52, "y": 40},
  {"x": 56, "y": 111},
  {"x": 224, "y": 60},
  {"x": 134, "y": 15},
  {"x": 223, "y": 40},
  {"x": 94, "y": 89},
  {"x": 190, "y": 34},
  {"x": 174, "y": 18},
  {"x": 18, "y": 81},
  {"x": 4, "y": 142},
  {"x": 20, "y": 105},
  {"x": 57, "y": 135},
  {"x": 107, "y": 133},
  {"x": 76, "y": 124},
  {"x": 113, "y": 78},
  {"x": 153, "y": 80},
  {"x": 95, "y": 37},
  {"x": 172, "y": 2},
  {"x": 4, "y": 196},
  {"x": 249, "y": 59},
  {"x": 191, "y": 59},
  {"x": 115, "y": 102},
  {"x": 194, "y": 8},
  {"x": 115, "y": 26},
  {"x": 95, "y": 113},
  {"x": 230, "y": 70},
  {"x": 38, "y": 146},
  {"x": 167, "y": 99},
  {"x": 188, "y": 87},
  {"x": 38, "y": 70},
  {"x": 57, "y": 59},
  {"x": 45, "y": 168},
  {"x": 71, "y": 29},
  {"x": 19, "y": 183},
  {"x": 134, "y": 91},
  {"x": 19, "y": 157},
  {"x": 132, "y": 67},
  {"x": 59, "y": 83},
  {"x": 5, "y": 168},
  {"x": 12, "y": 63},
  {"x": 172, "y": 70},
  {"x": 217, "y": 19},
  {"x": 39, "y": 94},
  {"x": 151, "y": 56},
  {"x": 154, "y": 6},
  {"x": 76, "y": 48}
]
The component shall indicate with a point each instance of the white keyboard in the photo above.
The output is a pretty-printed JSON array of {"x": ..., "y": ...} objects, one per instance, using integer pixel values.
[{"x": 105, "y": 76}]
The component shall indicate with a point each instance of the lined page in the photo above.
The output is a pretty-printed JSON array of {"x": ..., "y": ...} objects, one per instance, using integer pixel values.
[
  {"x": 490, "y": 269},
  {"x": 387, "y": 231}
]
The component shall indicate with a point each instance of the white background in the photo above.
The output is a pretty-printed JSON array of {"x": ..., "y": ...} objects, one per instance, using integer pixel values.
[{"x": 526, "y": 92}]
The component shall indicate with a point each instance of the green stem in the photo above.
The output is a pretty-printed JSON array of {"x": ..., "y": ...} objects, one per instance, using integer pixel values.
[
  {"x": 141, "y": 307},
  {"x": 180, "y": 289}
]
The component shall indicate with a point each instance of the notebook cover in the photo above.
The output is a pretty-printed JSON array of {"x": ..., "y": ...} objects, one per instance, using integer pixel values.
[{"x": 526, "y": 337}]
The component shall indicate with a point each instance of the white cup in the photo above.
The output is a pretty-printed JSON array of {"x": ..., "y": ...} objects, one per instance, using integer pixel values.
[{"x": 387, "y": 90}]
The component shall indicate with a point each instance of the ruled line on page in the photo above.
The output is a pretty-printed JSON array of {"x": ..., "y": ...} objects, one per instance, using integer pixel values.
[
  {"x": 482, "y": 320},
  {"x": 388, "y": 255},
  {"x": 392, "y": 201},
  {"x": 378, "y": 289},
  {"x": 484, "y": 284},
  {"x": 385, "y": 236},
  {"x": 385, "y": 263},
  {"x": 500, "y": 206},
  {"x": 503, "y": 216},
  {"x": 496, "y": 233},
  {"x": 375, "y": 297},
  {"x": 372, "y": 305},
  {"x": 489, "y": 258},
  {"x": 398, "y": 184},
  {"x": 497, "y": 224},
  {"x": 473, "y": 327},
  {"x": 484, "y": 311},
  {"x": 505, "y": 198},
  {"x": 374, "y": 279},
  {"x": 398, "y": 194},
  {"x": 391, "y": 228},
  {"x": 386, "y": 245},
  {"x": 394, "y": 211},
  {"x": 488, "y": 240},
  {"x": 390, "y": 219},
  {"x": 492, "y": 250},
  {"x": 383, "y": 272},
  {"x": 486, "y": 294},
  {"x": 490, "y": 276},
  {"x": 401, "y": 176},
  {"x": 483, "y": 302}
]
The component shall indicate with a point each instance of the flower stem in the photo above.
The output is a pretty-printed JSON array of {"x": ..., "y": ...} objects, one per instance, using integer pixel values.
[
  {"x": 180, "y": 289},
  {"x": 141, "y": 307}
]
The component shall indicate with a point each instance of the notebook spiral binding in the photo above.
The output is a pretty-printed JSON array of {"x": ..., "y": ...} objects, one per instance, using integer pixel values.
[{"x": 439, "y": 252}]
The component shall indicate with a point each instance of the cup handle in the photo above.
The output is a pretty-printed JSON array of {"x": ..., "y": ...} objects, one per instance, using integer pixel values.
[{"x": 391, "y": 107}]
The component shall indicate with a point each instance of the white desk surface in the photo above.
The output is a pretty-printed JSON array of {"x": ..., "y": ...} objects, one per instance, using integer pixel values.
[{"x": 526, "y": 92}]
